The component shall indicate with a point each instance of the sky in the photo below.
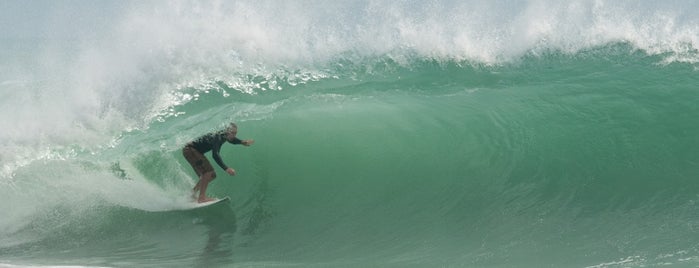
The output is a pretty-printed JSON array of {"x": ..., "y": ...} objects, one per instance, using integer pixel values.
[{"x": 65, "y": 19}]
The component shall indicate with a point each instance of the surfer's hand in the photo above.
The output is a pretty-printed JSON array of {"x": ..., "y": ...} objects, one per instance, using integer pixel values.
[
  {"x": 248, "y": 142},
  {"x": 231, "y": 171}
]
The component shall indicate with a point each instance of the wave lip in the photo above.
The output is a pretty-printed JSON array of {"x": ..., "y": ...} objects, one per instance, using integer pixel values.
[{"x": 482, "y": 31}]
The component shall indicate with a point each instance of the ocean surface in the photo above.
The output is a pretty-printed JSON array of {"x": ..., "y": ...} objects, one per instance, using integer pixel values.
[{"x": 387, "y": 133}]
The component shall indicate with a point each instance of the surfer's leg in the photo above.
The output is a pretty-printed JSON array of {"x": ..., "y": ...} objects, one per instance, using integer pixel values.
[
  {"x": 198, "y": 185},
  {"x": 200, "y": 165},
  {"x": 203, "y": 169},
  {"x": 203, "y": 184},
  {"x": 196, "y": 189}
]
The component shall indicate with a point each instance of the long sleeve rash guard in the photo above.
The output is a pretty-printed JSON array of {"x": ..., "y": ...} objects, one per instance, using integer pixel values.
[{"x": 213, "y": 142}]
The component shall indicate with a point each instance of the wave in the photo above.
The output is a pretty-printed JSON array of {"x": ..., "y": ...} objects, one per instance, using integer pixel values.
[
  {"x": 497, "y": 126},
  {"x": 141, "y": 58}
]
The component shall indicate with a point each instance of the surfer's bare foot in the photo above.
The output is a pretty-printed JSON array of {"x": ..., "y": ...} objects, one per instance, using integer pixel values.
[{"x": 206, "y": 199}]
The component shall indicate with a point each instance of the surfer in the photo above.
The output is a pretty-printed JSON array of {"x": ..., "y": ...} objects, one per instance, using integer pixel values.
[{"x": 194, "y": 153}]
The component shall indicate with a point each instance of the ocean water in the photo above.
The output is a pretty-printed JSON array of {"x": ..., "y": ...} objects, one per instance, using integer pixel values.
[{"x": 388, "y": 133}]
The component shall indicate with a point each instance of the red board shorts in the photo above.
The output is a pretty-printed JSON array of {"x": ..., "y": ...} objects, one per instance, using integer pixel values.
[{"x": 198, "y": 161}]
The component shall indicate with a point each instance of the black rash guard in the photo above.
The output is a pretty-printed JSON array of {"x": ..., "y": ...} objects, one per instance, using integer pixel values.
[{"x": 212, "y": 142}]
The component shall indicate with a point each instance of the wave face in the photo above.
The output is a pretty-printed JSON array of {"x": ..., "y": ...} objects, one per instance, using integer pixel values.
[{"x": 402, "y": 134}]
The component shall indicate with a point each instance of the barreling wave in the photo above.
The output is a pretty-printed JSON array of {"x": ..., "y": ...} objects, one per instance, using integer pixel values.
[
  {"x": 411, "y": 133},
  {"x": 146, "y": 58}
]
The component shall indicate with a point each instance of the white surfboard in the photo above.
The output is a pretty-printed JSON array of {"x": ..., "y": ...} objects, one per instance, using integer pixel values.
[{"x": 211, "y": 203}]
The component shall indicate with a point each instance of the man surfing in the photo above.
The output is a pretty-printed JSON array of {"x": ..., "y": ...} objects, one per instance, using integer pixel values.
[{"x": 194, "y": 153}]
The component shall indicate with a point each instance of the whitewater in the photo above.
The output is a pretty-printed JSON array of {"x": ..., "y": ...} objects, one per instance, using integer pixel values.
[{"x": 387, "y": 133}]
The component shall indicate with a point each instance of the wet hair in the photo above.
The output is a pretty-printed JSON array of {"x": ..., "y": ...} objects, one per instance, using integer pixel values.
[{"x": 232, "y": 126}]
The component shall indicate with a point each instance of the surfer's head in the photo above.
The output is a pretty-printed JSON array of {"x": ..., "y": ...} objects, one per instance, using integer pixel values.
[{"x": 231, "y": 131}]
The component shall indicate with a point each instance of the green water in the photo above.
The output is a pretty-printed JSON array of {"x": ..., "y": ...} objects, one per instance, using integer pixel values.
[
  {"x": 553, "y": 161},
  {"x": 411, "y": 134}
]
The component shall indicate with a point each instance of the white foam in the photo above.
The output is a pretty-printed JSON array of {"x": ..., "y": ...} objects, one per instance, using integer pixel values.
[
  {"x": 144, "y": 55},
  {"x": 292, "y": 33}
]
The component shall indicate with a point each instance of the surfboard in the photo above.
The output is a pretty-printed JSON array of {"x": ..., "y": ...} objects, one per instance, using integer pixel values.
[{"x": 211, "y": 203}]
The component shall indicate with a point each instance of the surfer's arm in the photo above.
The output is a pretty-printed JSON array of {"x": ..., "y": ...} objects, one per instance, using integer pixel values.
[
  {"x": 243, "y": 142},
  {"x": 215, "y": 152}
]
